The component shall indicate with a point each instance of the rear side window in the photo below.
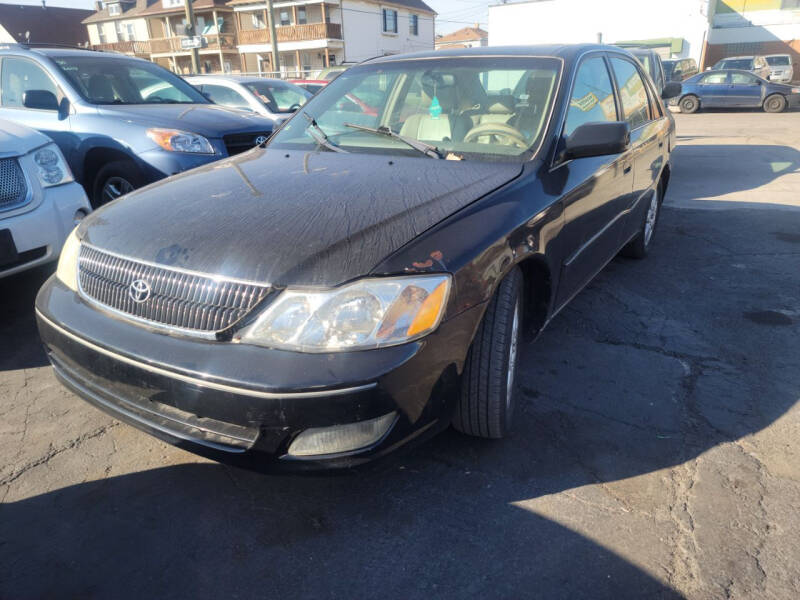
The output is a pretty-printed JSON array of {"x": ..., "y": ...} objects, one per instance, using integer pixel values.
[
  {"x": 743, "y": 78},
  {"x": 712, "y": 78},
  {"x": 633, "y": 94},
  {"x": 592, "y": 97},
  {"x": 20, "y": 75}
]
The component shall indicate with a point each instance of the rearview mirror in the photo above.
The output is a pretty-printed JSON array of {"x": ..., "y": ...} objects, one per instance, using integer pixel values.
[
  {"x": 598, "y": 139},
  {"x": 40, "y": 99},
  {"x": 671, "y": 90}
]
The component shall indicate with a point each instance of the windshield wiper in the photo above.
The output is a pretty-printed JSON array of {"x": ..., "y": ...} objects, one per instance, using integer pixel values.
[
  {"x": 319, "y": 135},
  {"x": 426, "y": 149}
]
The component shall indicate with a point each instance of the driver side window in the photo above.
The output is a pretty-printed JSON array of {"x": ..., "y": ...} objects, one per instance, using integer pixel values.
[
  {"x": 219, "y": 94},
  {"x": 592, "y": 97},
  {"x": 20, "y": 75},
  {"x": 743, "y": 79}
]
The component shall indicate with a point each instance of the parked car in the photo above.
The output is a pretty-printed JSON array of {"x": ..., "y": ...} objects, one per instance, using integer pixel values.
[
  {"x": 730, "y": 89},
  {"x": 652, "y": 64},
  {"x": 365, "y": 284},
  {"x": 39, "y": 201},
  {"x": 310, "y": 85},
  {"x": 121, "y": 122},
  {"x": 330, "y": 73},
  {"x": 781, "y": 68},
  {"x": 679, "y": 69},
  {"x": 755, "y": 64},
  {"x": 272, "y": 98}
]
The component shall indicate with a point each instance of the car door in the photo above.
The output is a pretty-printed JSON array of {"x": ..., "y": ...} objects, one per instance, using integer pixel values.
[
  {"x": 713, "y": 89},
  {"x": 18, "y": 77},
  {"x": 595, "y": 190},
  {"x": 649, "y": 126},
  {"x": 744, "y": 89}
]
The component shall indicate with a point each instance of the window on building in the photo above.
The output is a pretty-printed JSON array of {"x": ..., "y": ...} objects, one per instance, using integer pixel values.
[
  {"x": 114, "y": 10},
  {"x": 258, "y": 21},
  {"x": 633, "y": 94},
  {"x": 172, "y": 3},
  {"x": 20, "y": 75},
  {"x": 790, "y": 4},
  {"x": 592, "y": 96},
  {"x": 389, "y": 20},
  {"x": 302, "y": 17},
  {"x": 101, "y": 33},
  {"x": 413, "y": 24},
  {"x": 285, "y": 18}
]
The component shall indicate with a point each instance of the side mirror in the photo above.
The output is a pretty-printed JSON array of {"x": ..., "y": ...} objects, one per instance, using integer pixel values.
[
  {"x": 40, "y": 99},
  {"x": 671, "y": 90},
  {"x": 598, "y": 139}
]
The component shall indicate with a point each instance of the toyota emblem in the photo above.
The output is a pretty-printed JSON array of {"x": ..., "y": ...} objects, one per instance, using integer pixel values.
[
  {"x": 139, "y": 291},
  {"x": 261, "y": 139}
]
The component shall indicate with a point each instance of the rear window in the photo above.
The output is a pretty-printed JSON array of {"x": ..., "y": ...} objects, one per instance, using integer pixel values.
[
  {"x": 778, "y": 61},
  {"x": 738, "y": 63}
]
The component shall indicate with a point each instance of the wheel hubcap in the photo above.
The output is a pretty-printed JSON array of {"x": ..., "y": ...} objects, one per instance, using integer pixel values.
[
  {"x": 650, "y": 220},
  {"x": 512, "y": 354},
  {"x": 116, "y": 187}
]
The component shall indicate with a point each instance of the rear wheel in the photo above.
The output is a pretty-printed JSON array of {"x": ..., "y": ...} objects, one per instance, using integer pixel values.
[
  {"x": 486, "y": 404},
  {"x": 114, "y": 180},
  {"x": 689, "y": 104},
  {"x": 775, "y": 103},
  {"x": 639, "y": 246}
]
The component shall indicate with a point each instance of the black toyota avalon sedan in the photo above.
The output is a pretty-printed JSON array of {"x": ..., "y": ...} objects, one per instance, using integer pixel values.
[{"x": 364, "y": 279}]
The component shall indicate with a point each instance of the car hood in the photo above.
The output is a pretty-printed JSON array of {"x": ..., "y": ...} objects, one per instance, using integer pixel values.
[
  {"x": 289, "y": 218},
  {"x": 209, "y": 120},
  {"x": 16, "y": 140}
]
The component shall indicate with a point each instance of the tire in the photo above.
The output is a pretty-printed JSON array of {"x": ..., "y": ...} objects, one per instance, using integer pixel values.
[
  {"x": 776, "y": 103},
  {"x": 486, "y": 403},
  {"x": 120, "y": 175},
  {"x": 639, "y": 246},
  {"x": 689, "y": 104}
]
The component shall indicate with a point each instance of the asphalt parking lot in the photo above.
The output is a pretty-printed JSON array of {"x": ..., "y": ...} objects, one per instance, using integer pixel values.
[{"x": 656, "y": 451}]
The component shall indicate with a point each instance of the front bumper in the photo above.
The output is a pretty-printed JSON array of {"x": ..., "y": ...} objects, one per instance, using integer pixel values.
[
  {"x": 39, "y": 229},
  {"x": 244, "y": 404}
]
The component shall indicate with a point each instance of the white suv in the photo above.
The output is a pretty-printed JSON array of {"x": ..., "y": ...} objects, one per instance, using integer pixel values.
[
  {"x": 781, "y": 68},
  {"x": 39, "y": 201}
]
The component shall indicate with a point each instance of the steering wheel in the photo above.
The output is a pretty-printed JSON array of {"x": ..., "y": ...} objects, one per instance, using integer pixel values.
[
  {"x": 294, "y": 107},
  {"x": 498, "y": 130}
]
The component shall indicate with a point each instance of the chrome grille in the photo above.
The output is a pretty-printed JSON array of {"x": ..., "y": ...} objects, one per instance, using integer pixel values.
[
  {"x": 176, "y": 298},
  {"x": 13, "y": 189}
]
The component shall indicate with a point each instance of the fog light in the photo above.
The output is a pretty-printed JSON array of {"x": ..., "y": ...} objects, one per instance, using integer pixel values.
[{"x": 341, "y": 438}]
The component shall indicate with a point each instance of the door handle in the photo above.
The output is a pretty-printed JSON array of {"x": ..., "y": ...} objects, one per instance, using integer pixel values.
[
  {"x": 661, "y": 144},
  {"x": 626, "y": 168}
]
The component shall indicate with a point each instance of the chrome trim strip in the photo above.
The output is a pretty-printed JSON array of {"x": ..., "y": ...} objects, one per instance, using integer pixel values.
[
  {"x": 203, "y": 382},
  {"x": 213, "y": 276}
]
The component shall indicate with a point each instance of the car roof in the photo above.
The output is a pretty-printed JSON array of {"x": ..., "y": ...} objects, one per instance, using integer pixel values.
[
  {"x": 771, "y": 55},
  {"x": 565, "y": 51},
  {"x": 234, "y": 78},
  {"x": 738, "y": 57}
]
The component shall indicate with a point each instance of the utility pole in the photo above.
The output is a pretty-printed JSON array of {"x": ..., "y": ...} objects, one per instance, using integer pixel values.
[
  {"x": 190, "y": 26},
  {"x": 276, "y": 61}
]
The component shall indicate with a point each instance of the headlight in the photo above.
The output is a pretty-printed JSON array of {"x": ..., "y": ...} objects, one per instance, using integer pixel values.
[
  {"x": 175, "y": 140},
  {"x": 51, "y": 168},
  {"x": 370, "y": 313},
  {"x": 67, "y": 270}
]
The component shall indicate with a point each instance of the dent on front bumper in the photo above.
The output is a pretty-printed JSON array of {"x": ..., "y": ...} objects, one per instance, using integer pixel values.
[{"x": 245, "y": 404}]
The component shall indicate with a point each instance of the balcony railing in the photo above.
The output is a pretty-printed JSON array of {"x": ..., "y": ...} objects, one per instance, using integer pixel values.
[
  {"x": 293, "y": 33},
  {"x": 136, "y": 48}
]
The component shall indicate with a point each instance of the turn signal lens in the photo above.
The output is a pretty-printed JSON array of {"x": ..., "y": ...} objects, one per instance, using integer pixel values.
[
  {"x": 67, "y": 271},
  {"x": 429, "y": 313}
]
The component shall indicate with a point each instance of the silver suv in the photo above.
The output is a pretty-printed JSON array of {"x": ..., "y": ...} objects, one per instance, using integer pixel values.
[{"x": 757, "y": 65}]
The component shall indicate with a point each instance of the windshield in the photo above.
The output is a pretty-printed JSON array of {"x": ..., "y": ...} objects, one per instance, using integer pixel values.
[
  {"x": 125, "y": 81},
  {"x": 778, "y": 61},
  {"x": 669, "y": 67},
  {"x": 475, "y": 108},
  {"x": 746, "y": 64},
  {"x": 279, "y": 96}
]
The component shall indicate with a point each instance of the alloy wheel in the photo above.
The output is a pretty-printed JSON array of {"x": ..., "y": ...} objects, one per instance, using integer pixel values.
[
  {"x": 650, "y": 219},
  {"x": 512, "y": 354},
  {"x": 116, "y": 187}
]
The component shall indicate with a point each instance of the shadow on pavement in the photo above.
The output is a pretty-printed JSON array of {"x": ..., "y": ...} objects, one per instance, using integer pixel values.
[{"x": 20, "y": 348}]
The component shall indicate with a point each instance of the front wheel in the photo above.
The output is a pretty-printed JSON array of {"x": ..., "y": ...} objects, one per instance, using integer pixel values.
[
  {"x": 114, "y": 180},
  {"x": 486, "y": 404},
  {"x": 775, "y": 104},
  {"x": 689, "y": 104}
]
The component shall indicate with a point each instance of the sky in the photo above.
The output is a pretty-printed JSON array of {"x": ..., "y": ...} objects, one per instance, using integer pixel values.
[{"x": 453, "y": 14}]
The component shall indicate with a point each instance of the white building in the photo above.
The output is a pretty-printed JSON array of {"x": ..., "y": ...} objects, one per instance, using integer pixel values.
[
  {"x": 676, "y": 28},
  {"x": 313, "y": 34}
]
